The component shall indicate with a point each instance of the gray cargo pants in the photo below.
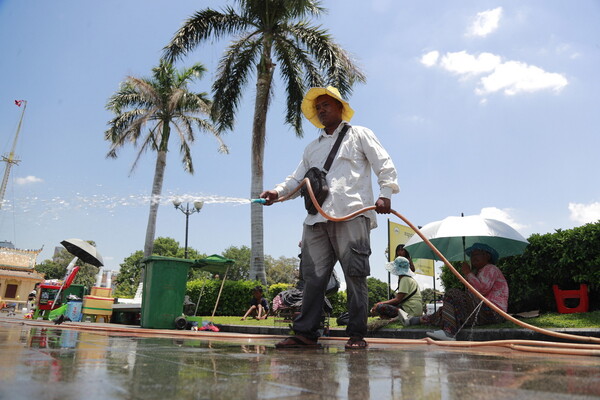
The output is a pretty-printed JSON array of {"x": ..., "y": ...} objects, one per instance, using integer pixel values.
[{"x": 324, "y": 244}]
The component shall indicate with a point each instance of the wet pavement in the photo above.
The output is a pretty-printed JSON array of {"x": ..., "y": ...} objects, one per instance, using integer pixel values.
[{"x": 44, "y": 361}]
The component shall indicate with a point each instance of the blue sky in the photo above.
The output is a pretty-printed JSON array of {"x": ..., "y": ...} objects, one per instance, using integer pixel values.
[{"x": 486, "y": 107}]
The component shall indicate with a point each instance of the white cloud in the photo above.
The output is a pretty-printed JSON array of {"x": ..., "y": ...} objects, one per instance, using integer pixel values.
[
  {"x": 501, "y": 215},
  {"x": 464, "y": 63},
  {"x": 566, "y": 49},
  {"x": 485, "y": 22},
  {"x": 514, "y": 77},
  {"x": 430, "y": 59},
  {"x": 584, "y": 213},
  {"x": 509, "y": 77},
  {"x": 28, "y": 180}
]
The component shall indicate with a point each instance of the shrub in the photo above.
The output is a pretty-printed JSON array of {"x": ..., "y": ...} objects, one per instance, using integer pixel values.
[
  {"x": 277, "y": 288},
  {"x": 338, "y": 302},
  {"x": 234, "y": 300}
]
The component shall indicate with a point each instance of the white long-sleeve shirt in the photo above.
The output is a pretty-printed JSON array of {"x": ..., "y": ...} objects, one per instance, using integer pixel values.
[{"x": 349, "y": 177}]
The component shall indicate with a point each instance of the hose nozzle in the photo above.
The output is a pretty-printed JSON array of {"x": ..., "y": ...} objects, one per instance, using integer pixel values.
[{"x": 259, "y": 201}]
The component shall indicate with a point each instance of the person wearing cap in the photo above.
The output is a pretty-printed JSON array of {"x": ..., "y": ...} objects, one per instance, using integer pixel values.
[
  {"x": 459, "y": 305},
  {"x": 324, "y": 242},
  {"x": 408, "y": 301}
]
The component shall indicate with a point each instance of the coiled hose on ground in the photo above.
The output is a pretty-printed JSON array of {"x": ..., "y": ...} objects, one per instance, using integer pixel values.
[{"x": 522, "y": 345}]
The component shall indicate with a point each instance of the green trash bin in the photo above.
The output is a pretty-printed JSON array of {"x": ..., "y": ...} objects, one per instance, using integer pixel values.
[{"x": 164, "y": 291}]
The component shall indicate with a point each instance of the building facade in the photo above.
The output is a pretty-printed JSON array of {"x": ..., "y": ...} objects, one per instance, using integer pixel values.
[{"x": 17, "y": 274}]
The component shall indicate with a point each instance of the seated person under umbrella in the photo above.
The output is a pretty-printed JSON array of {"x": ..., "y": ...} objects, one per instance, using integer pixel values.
[{"x": 460, "y": 306}]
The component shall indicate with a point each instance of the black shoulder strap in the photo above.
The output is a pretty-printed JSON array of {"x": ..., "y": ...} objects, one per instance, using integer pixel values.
[
  {"x": 335, "y": 148},
  {"x": 410, "y": 295}
]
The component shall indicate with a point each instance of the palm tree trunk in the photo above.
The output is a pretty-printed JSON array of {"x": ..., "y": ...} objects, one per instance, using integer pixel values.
[
  {"x": 263, "y": 89},
  {"x": 159, "y": 174}
]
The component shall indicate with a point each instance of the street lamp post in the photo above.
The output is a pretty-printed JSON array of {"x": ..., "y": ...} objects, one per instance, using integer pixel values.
[{"x": 187, "y": 211}]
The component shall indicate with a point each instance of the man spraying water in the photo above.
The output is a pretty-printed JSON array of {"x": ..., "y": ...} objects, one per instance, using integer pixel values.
[{"x": 354, "y": 151}]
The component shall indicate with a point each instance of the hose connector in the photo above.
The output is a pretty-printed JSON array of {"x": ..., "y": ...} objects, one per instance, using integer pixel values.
[{"x": 259, "y": 201}]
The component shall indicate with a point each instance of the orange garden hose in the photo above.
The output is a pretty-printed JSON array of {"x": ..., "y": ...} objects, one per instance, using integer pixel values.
[
  {"x": 533, "y": 346},
  {"x": 522, "y": 345}
]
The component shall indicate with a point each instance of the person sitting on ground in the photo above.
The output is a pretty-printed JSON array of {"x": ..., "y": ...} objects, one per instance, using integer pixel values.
[
  {"x": 259, "y": 306},
  {"x": 458, "y": 306},
  {"x": 408, "y": 301}
]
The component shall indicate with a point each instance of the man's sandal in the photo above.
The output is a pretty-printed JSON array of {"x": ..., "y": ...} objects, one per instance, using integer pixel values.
[
  {"x": 298, "y": 342},
  {"x": 356, "y": 343}
]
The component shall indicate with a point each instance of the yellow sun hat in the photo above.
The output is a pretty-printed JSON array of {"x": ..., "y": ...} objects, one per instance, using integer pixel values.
[{"x": 308, "y": 104}]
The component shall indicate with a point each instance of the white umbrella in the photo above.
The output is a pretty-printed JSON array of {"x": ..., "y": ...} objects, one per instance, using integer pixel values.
[
  {"x": 84, "y": 251},
  {"x": 452, "y": 235}
]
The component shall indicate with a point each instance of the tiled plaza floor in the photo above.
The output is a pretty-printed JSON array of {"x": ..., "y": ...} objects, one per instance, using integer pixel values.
[{"x": 43, "y": 361}]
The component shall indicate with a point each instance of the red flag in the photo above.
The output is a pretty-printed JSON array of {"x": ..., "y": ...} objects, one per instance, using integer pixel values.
[{"x": 18, "y": 102}]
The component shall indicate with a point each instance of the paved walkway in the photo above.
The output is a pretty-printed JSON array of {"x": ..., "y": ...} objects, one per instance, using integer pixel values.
[{"x": 41, "y": 360}]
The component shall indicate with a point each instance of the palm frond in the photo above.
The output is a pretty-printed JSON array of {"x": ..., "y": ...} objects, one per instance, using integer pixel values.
[
  {"x": 335, "y": 63},
  {"x": 232, "y": 75},
  {"x": 126, "y": 127},
  {"x": 161, "y": 101},
  {"x": 147, "y": 91},
  {"x": 269, "y": 11},
  {"x": 291, "y": 61},
  {"x": 149, "y": 142},
  {"x": 201, "y": 26},
  {"x": 190, "y": 74}
]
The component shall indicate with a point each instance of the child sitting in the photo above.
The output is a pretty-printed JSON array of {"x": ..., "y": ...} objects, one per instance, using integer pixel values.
[{"x": 259, "y": 306}]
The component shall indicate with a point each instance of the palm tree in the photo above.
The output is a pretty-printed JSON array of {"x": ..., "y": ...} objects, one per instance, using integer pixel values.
[
  {"x": 266, "y": 31},
  {"x": 158, "y": 104}
]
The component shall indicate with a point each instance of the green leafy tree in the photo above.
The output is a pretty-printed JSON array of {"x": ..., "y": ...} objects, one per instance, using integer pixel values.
[
  {"x": 130, "y": 270},
  {"x": 128, "y": 279},
  {"x": 378, "y": 290},
  {"x": 448, "y": 279},
  {"x": 282, "y": 269},
  {"x": 57, "y": 268},
  {"x": 268, "y": 33},
  {"x": 241, "y": 255},
  {"x": 159, "y": 104},
  {"x": 51, "y": 269}
]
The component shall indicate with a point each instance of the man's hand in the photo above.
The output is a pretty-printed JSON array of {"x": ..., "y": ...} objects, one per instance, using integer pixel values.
[
  {"x": 270, "y": 196},
  {"x": 383, "y": 205}
]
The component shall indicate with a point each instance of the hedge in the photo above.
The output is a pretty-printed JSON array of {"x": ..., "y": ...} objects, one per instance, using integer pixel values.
[{"x": 236, "y": 295}]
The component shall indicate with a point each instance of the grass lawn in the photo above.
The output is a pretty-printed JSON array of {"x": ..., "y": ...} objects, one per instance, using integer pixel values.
[{"x": 549, "y": 320}]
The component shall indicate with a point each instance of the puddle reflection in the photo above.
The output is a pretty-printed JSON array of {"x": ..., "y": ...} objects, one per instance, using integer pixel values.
[{"x": 56, "y": 360}]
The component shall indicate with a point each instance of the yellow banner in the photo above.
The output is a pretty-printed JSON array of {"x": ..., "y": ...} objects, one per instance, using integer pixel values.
[{"x": 399, "y": 234}]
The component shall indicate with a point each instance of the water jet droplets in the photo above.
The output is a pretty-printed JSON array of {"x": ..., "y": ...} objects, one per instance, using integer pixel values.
[{"x": 53, "y": 205}]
